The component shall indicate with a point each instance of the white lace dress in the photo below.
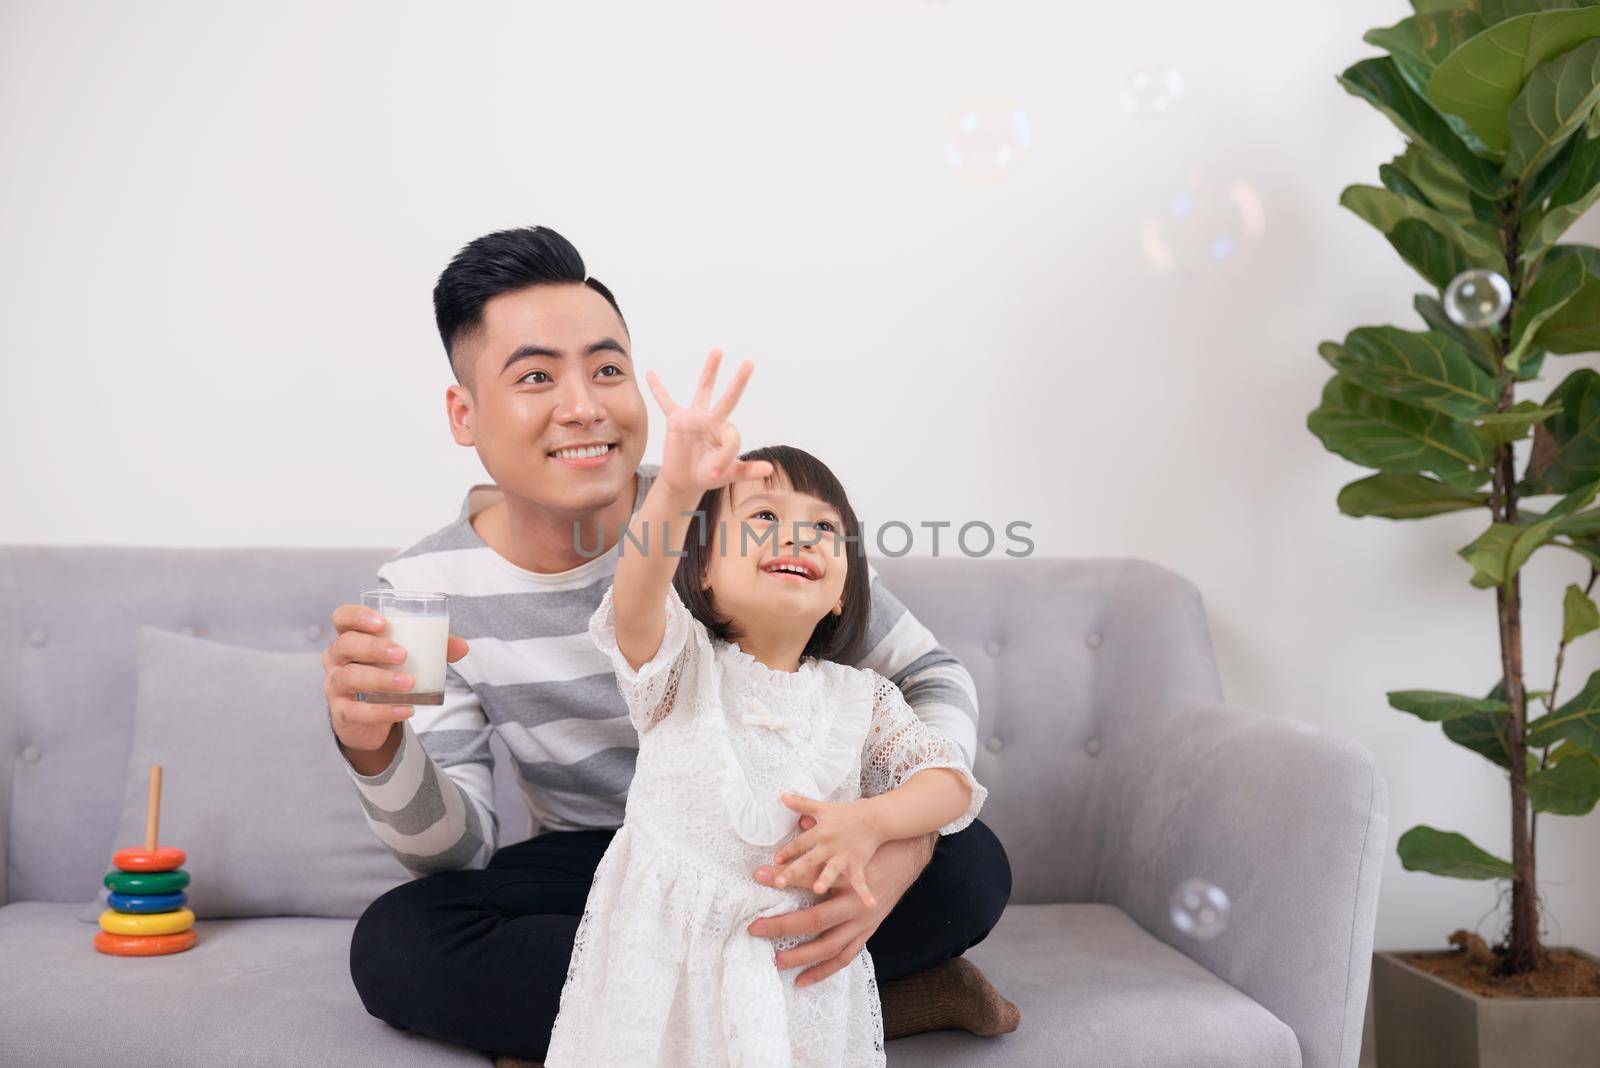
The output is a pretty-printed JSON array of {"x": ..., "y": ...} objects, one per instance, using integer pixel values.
[{"x": 664, "y": 970}]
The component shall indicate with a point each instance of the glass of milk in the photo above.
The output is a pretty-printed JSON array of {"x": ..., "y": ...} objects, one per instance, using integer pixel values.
[{"x": 420, "y": 624}]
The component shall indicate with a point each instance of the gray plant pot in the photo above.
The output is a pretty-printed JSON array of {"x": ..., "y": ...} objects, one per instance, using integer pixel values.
[{"x": 1425, "y": 1022}]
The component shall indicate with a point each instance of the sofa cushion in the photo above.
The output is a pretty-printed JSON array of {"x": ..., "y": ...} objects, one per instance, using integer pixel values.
[
  {"x": 264, "y": 991},
  {"x": 252, "y": 788},
  {"x": 1093, "y": 988}
]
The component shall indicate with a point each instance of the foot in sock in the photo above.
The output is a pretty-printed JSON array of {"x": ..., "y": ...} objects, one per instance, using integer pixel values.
[{"x": 954, "y": 994}]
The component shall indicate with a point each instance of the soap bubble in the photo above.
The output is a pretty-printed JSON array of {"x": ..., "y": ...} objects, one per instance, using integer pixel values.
[
  {"x": 985, "y": 138},
  {"x": 1477, "y": 298},
  {"x": 1199, "y": 909},
  {"x": 1151, "y": 92},
  {"x": 1201, "y": 222}
]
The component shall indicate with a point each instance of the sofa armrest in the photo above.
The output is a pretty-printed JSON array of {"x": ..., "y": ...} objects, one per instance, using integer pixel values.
[{"x": 1289, "y": 820}]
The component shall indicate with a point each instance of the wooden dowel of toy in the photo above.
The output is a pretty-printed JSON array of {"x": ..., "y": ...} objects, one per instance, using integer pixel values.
[{"x": 152, "y": 817}]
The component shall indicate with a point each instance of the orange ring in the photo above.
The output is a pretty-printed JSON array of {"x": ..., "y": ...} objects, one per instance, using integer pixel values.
[
  {"x": 143, "y": 945},
  {"x": 138, "y": 858}
]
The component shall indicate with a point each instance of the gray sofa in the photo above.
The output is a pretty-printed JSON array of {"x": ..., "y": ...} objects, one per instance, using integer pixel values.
[{"x": 1116, "y": 770}]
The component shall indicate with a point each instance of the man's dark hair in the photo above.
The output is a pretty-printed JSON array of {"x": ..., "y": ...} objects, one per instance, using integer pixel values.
[
  {"x": 498, "y": 263},
  {"x": 840, "y": 638}
]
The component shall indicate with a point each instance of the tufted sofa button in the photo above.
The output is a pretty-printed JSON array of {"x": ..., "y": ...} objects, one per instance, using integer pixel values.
[
  {"x": 1092, "y": 639},
  {"x": 38, "y": 636},
  {"x": 313, "y": 632},
  {"x": 1092, "y": 747},
  {"x": 994, "y": 744},
  {"x": 991, "y": 647},
  {"x": 30, "y": 753}
]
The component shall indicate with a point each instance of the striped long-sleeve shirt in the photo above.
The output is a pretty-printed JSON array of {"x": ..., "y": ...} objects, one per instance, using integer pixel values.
[{"x": 534, "y": 676}]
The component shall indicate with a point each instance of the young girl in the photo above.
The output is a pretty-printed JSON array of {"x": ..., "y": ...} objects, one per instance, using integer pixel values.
[{"x": 734, "y": 668}]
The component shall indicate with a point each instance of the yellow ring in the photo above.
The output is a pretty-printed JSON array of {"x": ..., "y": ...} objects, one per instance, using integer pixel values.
[{"x": 146, "y": 923}]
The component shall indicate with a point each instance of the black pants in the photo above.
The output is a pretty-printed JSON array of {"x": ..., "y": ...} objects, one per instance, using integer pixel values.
[{"x": 479, "y": 957}]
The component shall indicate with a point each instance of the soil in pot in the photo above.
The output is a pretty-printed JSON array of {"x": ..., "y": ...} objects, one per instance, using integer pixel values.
[{"x": 1471, "y": 966}]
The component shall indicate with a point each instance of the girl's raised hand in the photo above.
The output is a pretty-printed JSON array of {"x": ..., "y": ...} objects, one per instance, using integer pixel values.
[{"x": 702, "y": 448}]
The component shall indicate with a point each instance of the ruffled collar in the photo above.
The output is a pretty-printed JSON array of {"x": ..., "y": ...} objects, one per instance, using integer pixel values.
[
  {"x": 804, "y": 676},
  {"x": 765, "y": 820}
]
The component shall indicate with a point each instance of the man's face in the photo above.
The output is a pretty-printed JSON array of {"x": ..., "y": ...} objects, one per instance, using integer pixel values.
[{"x": 551, "y": 368}]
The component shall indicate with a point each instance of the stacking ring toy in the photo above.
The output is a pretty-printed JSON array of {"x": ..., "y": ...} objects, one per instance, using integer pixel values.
[
  {"x": 146, "y": 882},
  {"x": 146, "y": 923},
  {"x": 161, "y": 858},
  {"x": 142, "y": 945},
  {"x": 147, "y": 917},
  {"x": 147, "y": 902}
]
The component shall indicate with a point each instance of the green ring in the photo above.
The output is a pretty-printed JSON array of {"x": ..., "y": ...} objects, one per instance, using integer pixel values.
[{"x": 146, "y": 882}]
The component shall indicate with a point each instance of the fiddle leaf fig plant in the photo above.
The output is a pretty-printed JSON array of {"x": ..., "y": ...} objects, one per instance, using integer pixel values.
[{"x": 1497, "y": 102}]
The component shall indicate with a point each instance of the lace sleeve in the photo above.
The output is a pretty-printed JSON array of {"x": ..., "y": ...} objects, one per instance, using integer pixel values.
[
  {"x": 650, "y": 691},
  {"x": 899, "y": 745}
]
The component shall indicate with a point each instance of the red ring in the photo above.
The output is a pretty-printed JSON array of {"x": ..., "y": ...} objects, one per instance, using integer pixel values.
[{"x": 137, "y": 858}]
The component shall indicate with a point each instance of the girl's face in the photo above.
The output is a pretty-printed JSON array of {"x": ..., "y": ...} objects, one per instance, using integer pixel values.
[{"x": 761, "y": 528}]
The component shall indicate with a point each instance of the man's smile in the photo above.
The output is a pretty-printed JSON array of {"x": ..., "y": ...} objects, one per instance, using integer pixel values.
[{"x": 583, "y": 456}]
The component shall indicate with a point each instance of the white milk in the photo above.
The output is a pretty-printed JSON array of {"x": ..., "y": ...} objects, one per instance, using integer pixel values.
[{"x": 425, "y": 640}]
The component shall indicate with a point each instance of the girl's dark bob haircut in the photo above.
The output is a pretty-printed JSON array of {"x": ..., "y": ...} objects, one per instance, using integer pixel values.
[{"x": 840, "y": 638}]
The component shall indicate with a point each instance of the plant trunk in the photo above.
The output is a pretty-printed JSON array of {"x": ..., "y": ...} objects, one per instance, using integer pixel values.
[{"x": 1523, "y": 953}]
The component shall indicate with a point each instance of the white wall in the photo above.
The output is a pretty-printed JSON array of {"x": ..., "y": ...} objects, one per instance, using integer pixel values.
[{"x": 220, "y": 226}]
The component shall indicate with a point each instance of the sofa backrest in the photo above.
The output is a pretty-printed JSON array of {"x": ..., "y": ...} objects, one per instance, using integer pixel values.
[{"x": 1054, "y": 645}]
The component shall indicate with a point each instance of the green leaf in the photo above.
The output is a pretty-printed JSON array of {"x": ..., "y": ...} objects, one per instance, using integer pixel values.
[
  {"x": 1477, "y": 343},
  {"x": 1485, "y": 732},
  {"x": 1575, "y": 326},
  {"x": 1397, "y": 438},
  {"x": 1419, "y": 43},
  {"x": 1437, "y": 705},
  {"x": 1580, "y": 524},
  {"x": 1569, "y": 788},
  {"x": 1482, "y": 732},
  {"x": 1513, "y": 423},
  {"x": 1396, "y": 181},
  {"x": 1533, "y": 194},
  {"x": 1428, "y": 251},
  {"x": 1582, "y": 172},
  {"x": 1556, "y": 283},
  {"x": 1424, "y": 6},
  {"x": 1576, "y": 721},
  {"x": 1481, "y": 80},
  {"x": 1575, "y": 195},
  {"x": 1499, "y": 552},
  {"x": 1589, "y": 550},
  {"x": 1405, "y": 497},
  {"x": 1566, "y": 452},
  {"x": 1428, "y": 849},
  {"x": 1493, "y": 11},
  {"x": 1379, "y": 82},
  {"x": 1554, "y": 103},
  {"x": 1426, "y": 369},
  {"x": 1428, "y": 38},
  {"x": 1385, "y": 210},
  {"x": 1578, "y": 614},
  {"x": 1440, "y": 183}
]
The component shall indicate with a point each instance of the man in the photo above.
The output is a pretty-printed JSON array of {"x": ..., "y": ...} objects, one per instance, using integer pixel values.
[{"x": 476, "y": 950}]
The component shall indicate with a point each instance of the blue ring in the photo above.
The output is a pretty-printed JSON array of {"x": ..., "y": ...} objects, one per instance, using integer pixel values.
[{"x": 148, "y": 902}]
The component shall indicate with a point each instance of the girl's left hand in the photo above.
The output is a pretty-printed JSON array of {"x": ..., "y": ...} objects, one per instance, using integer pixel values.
[{"x": 843, "y": 840}]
